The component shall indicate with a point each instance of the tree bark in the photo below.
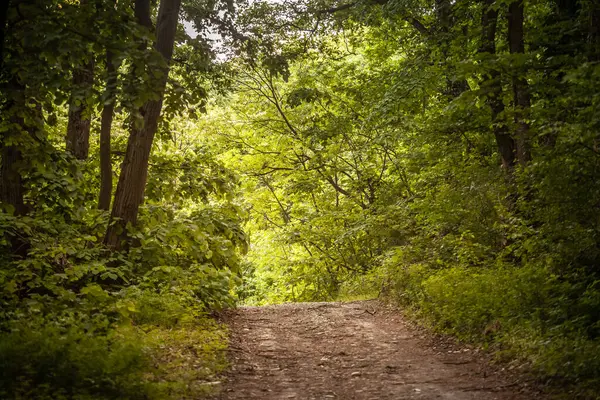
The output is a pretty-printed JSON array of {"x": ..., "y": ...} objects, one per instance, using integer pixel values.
[
  {"x": 522, "y": 101},
  {"x": 504, "y": 141},
  {"x": 11, "y": 192},
  {"x": 78, "y": 127},
  {"x": 79, "y": 124},
  {"x": 594, "y": 33},
  {"x": 561, "y": 42},
  {"x": 12, "y": 189},
  {"x": 3, "y": 20},
  {"x": 443, "y": 9},
  {"x": 134, "y": 172},
  {"x": 454, "y": 87},
  {"x": 105, "y": 134},
  {"x": 11, "y": 182},
  {"x": 142, "y": 13},
  {"x": 24, "y": 121},
  {"x": 11, "y": 186}
]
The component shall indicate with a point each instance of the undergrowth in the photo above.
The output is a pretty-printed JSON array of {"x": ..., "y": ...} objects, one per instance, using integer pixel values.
[
  {"x": 524, "y": 315},
  {"x": 162, "y": 352}
]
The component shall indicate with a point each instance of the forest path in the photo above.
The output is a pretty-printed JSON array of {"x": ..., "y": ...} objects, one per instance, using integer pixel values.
[{"x": 355, "y": 350}]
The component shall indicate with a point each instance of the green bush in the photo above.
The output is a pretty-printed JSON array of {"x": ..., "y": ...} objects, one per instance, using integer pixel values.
[
  {"x": 154, "y": 347},
  {"x": 72, "y": 356},
  {"x": 526, "y": 313}
]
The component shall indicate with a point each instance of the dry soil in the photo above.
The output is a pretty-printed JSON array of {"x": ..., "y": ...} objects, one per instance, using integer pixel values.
[{"x": 355, "y": 350}]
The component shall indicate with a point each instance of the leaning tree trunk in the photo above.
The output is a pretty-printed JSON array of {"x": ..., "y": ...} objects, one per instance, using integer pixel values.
[
  {"x": 134, "y": 172},
  {"x": 522, "y": 100},
  {"x": 493, "y": 86},
  {"x": 105, "y": 133}
]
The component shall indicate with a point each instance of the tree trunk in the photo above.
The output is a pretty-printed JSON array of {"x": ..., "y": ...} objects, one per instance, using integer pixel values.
[
  {"x": 11, "y": 186},
  {"x": 134, "y": 172},
  {"x": 24, "y": 121},
  {"x": 142, "y": 13},
  {"x": 11, "y": 159},
  {"x": 562, "y": 41},
  {"x": 105, "y": 133},
  {"x": 78, "y": 127},
  {"x": 594, "y": 32},
  {"x": 454, "y": 87},
  {"x": 3, "y": 20},
  {"x": 504, "y": 141},
  {"x": 11, "y": 192},
  {"x": 522, "y": 101},
  {"x": 443, "y": 9}
]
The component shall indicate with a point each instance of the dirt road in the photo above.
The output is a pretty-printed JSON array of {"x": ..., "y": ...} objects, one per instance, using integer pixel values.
[{"x": 355, "y": 350}]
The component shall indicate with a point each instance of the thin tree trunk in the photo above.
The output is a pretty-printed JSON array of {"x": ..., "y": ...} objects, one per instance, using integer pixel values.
[
  {"x": 105, "y": 134},
  {"x": 134, "y": 172},
  {"x": 521, "y": 96},
  {"x": 285, "y": 215},
  {"x": 78, "y": 127},
  {"x": 504, "y": 141}
]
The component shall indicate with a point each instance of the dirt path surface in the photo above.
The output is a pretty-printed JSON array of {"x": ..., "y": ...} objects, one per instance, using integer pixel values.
[{"x": 355, "y": 350}]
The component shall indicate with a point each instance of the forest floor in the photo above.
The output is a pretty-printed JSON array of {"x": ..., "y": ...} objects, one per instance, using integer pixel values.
[{"x": 355, "y": 350}]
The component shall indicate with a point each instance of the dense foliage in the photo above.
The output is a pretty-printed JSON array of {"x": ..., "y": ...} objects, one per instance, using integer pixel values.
[
  {"x": 83, "y": 317},
  {"x": 441, "y": 154},
  {"x": 428, "y": 158}
]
